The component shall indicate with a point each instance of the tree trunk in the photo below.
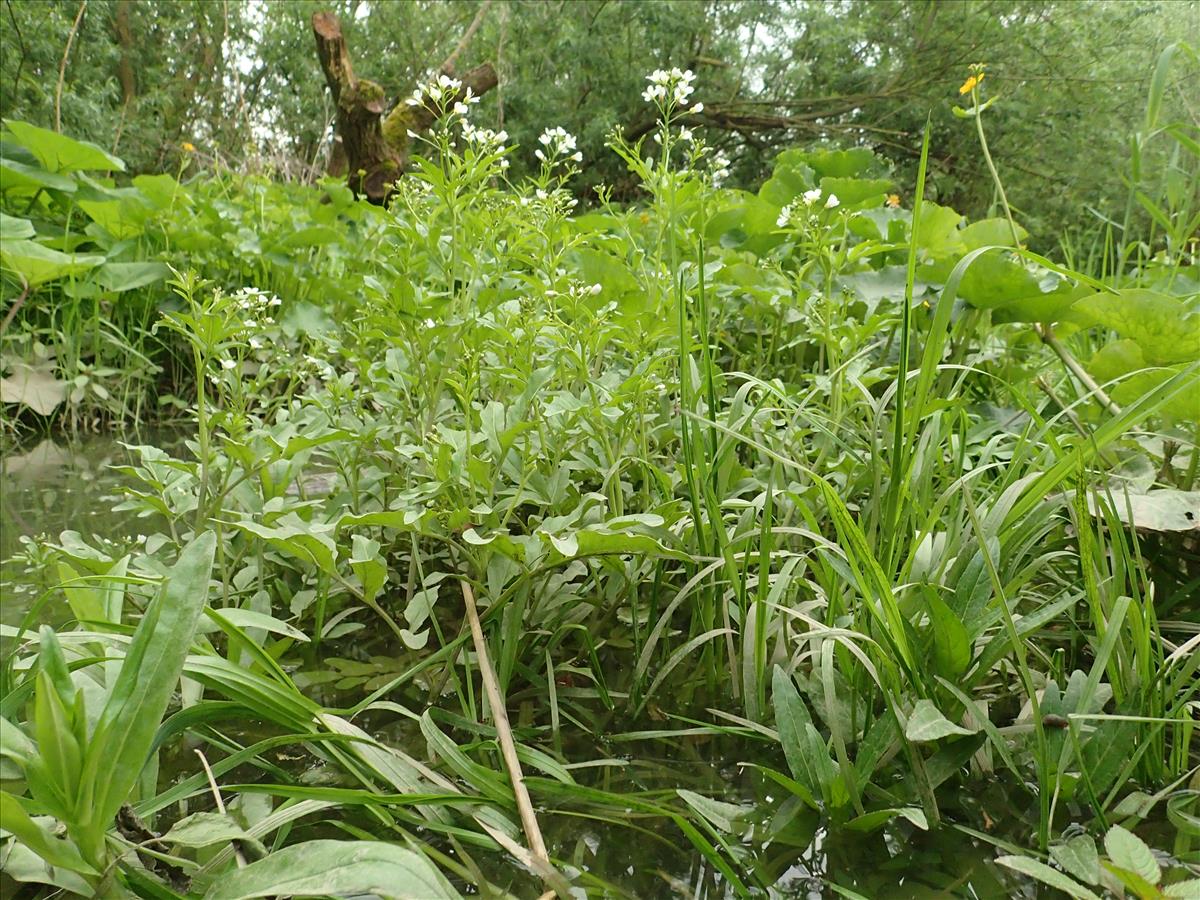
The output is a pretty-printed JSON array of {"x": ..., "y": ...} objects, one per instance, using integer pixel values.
[{"x": 375, "y": 147}]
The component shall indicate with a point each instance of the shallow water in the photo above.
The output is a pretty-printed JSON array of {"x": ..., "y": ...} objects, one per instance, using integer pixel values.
[{"x": 48, "y": 487}]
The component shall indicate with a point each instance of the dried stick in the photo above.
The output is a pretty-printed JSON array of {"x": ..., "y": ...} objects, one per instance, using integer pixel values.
[
  {"x": 448, "y": 66},
  {"x": 62, "y": 68},
  {"x": 508, "y": 748}
]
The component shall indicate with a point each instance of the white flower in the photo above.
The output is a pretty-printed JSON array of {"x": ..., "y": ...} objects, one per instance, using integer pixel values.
[
  {"x": 831, "y": 202},
  {"x": 228, "y": 364},
  {"x": 594, "y": 289},
  {"x": 685, "y": 134},
  {"x": 811, "y": 197},
  {"x": 698, "y": 108},
  {"x": 460, "y": 108},
  {"x": 560, "y": 146},
  {"x": 675, "y": 84},
  {"x": 541, "y": 195},
  {"x": 785, "y": 216}
]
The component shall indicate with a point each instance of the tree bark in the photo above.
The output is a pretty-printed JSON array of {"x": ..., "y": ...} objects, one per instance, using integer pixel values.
[{"x": 376, "y": 146}]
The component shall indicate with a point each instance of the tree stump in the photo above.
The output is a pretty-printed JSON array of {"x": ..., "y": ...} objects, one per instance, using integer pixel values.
[{"x": 375, "y": 146}]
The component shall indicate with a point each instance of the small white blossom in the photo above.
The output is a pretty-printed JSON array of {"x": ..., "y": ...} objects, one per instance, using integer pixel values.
[
  {"x": 675, "y": 85},
  {"x": 228, "y": 365},
  {"x": 831, "y": 202},
  {"x": 460, "y": 108},
  {"x": 685, "y": 134},
  {"x": 785, "y": 216},
  {"x": 698, "y": 108},
  {"x": 811, "y": 197},
  {"x": 560, "y": 146}
]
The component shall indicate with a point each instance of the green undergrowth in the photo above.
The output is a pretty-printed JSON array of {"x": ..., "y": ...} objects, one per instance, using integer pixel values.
[{"x": 890, "y": 508}]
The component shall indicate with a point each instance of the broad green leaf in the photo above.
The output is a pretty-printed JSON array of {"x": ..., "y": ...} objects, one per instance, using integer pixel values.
[
  {"x": 990, "y": 233},
  {"x": 119, "y": 277},
  {"x": 59, "y": 153},
  {"x": 312, "y": 236},
  {"x": 1078, "y": 856},
  {"x": 18, "y": 177},
  {"x": 35, "y": 264},
  {"x": 928, "y": 724},
  {"x": 149, "y": 675},
  {"x": 1128, "y": 851},
  {"x": 339, "y": 869},
  {"x": 1189, "y": 890},
  {"x": 1125, "y": 360},
  {"x": 13, "y": 228},
  {"x": 1164, "y": 327},
  {"x": 1043, "y": 873},
  {"x": 205, "y": 829},
  {"x": 161, "y": 190},
  {"x": 122, "y": 213},
  {"x": 937, "y": 233}
]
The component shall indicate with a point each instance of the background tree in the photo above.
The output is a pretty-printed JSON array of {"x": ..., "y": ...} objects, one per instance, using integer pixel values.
[{"x": 243, "y": 81}]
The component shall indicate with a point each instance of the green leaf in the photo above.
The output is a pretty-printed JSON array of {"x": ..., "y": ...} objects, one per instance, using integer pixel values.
[
  {"x": 59, "y": 153},
  {"x": 1189, "y": 889},
  {"x": 1128, "y": 851},
  {"x": 55, "y": 851},
  {"x": 1043, "y": 873},
  {"x": 951, "y": 644},
  {"x": 306, "y": 541},
  {"x": 13, "y": 228},
  {"x": 336, "y": 868},
  {"x": 248, "y": 618},
  {"x": 204, "y": 829},
  {"x": 726, "y": 817},
  {"x": 149, "y": 674},
  {"x": 928, "y": 724},
  {"x": 16, "y": 176},
  {"x": 794, "y": 725},
  {"x": 1079, "y": 857},
  {"x": 1164, "y": 327},
  {"x": 35, "y": 264},
  {"x": 120, "y": 277},
  {"x": 878, "y": 818}
]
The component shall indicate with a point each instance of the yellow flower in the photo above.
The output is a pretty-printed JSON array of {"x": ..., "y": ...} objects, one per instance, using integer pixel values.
[
  {"x": 971, "y": 83},
  {"x": 188, "y": 147},
  {"x": 893, "y": 201}
]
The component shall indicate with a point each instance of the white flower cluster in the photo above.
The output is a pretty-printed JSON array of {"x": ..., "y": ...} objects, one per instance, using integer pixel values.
[
  {"x": 485, "y": 139},
  {"x": 719, "y": 168},
  {"x": 577, "y": 291},
  {"x": 254, "y": 305},
  {"x": 559, "y": 144},
  {"x": 558, "y": 197},
  {"x": 810, "y": 199},
  {"x": 440, "y": 91},
  {"x": 671, "y": 88}
]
